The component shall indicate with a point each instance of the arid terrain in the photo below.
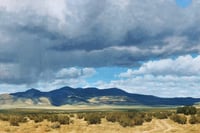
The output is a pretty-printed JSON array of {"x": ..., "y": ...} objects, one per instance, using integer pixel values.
[
  {"x": 80, "y": 126},
  {"x": 146, "y": 120}
]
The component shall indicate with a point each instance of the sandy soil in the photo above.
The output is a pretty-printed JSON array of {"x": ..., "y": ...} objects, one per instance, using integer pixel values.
[{"x": 80, "y": 126}]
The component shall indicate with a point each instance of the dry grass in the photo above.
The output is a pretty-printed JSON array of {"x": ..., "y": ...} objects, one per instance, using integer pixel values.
[
  {"x": 77, "y": 122},
  {"x": 81, "y": 126}
]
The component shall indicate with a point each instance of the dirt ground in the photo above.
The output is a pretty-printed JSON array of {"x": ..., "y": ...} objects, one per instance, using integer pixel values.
[{"x": 80, "y": 126}]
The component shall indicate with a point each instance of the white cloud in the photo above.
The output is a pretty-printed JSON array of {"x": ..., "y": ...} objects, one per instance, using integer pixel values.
[
  {"x": 9, "y": 88},
  {"x": 58, "y": 83},
  {"x": 73, "y": 77},
  {"x": 88, "y": 72},
  {"x": 181, "y": 66},
  {"x": 164, "y": 86},
  {"x": 46, "y": 7},
  {"x": 48, "y": 80},
  {"x": 69, "y": 73},
  {"x": 72, "y": 73},
  {"x": 179, "y": 77}
]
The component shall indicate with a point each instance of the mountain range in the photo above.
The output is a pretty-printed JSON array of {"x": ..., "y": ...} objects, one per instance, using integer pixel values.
[{"x": 89, "y": 96}]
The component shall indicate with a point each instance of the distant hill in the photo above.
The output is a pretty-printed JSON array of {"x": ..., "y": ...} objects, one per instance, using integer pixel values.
[{"x": 89, "y": 96}]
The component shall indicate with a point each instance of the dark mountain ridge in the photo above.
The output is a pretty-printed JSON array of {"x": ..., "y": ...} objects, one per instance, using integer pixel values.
[{"x": 95, "y": 96}]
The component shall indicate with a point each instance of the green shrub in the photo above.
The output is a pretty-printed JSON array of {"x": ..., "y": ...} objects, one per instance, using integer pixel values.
[
  {"x": 93, "y": 118},
  {"x": 53, "y": 118},
  {"x": 138, "y": 121},
  {"x": 161, "y": 115},
  {"x": 124, "y": 121},
  {"x": 38, "y": 119},
  {"x": 148, "y": 118},
  {"x": 131, "y": 115},
  {"x": 181, "y": 119},
  {"x": 71, "y": 115},
  {"x": 63, "y": 120},
  {"x": 112, "y": 117},
  {"x": 4, "y": 117},
  {"x": 187, "y": 110},
  {"x": 169, "y": 113},
  {"x": 130, "y": 119},
  {"x": 193, "y": 120},
  {"x": 14, "y": 121}
]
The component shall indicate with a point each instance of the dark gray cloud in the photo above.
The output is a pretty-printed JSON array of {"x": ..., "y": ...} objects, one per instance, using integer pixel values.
[{"x": 41, "y": 36}]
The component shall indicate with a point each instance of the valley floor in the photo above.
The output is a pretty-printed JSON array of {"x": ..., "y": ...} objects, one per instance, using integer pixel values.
[{"x": 81, "y": 126}]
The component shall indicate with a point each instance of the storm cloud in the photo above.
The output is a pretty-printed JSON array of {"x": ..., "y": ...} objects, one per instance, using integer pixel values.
[{"x": 38, "y": 38}]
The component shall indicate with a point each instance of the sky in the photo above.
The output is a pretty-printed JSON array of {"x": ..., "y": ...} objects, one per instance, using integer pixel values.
[{"x": 140, "y": 46}]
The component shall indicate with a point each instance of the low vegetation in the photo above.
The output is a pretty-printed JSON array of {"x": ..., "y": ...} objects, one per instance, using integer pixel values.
[
  {"x": 93, "y": 118},
  {"x": 124, "y": 118},
  {"x": 181, "y": 119},
  {"x": 161, "y": 115},
  {"x": 187, "y": 110},
  {"x": 15, "y": 118}
]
